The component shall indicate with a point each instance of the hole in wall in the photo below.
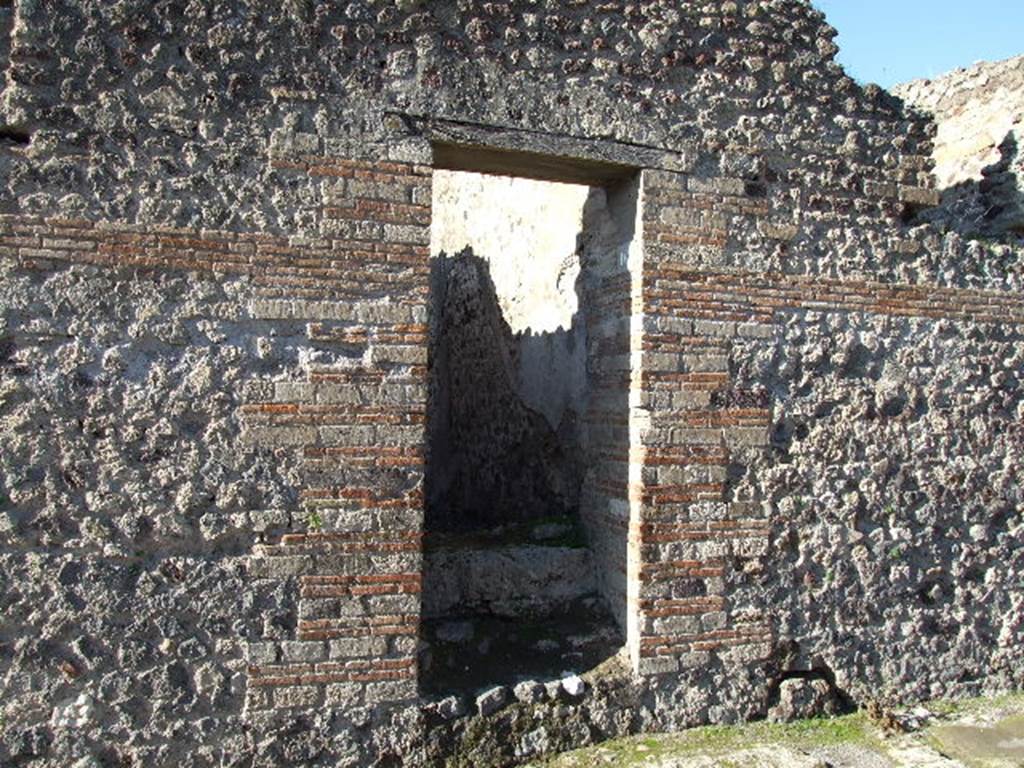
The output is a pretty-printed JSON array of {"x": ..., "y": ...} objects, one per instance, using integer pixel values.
[
  {"x": 525, "y": 548},
  {"x": 12, "y": 136}
]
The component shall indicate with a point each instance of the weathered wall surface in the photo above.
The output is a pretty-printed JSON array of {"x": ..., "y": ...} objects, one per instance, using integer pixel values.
[
  {"x": 527, "y": 231},
  {"x": 980, "y": 116},
  {"x": 128, "y": 511},
  {"x": 215, "y": 300},
  {"x": 175, "y": 403},
  {"x": 172, "y": 111},
  {"x": 892, "y": 485},
  {"x": 884, "y": 415}
]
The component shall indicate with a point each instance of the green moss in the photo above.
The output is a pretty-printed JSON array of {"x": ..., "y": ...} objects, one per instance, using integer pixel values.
[
  {"x": 718, "y": 740},
  {"x": 727, "y": 744}
]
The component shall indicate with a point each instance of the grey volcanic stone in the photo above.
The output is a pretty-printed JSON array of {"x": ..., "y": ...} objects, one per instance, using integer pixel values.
[
  {"x": 449, "y": 707},
  {"x": 528, "y": 691},
  {"x": 491, "y": 700},
  {"x": 802, "y": 699}
]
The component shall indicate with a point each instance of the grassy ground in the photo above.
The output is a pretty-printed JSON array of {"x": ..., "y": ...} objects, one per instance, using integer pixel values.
[
  {"x": 966, "y": 733},
  {"x": 722, "y": 740}
]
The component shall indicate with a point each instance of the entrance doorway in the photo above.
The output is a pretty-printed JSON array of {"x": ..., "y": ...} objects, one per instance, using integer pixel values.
[{"x": 526, "y": 498}]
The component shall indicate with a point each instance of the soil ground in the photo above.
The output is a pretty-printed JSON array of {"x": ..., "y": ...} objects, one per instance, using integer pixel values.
[{"x": 979, "y": 733}]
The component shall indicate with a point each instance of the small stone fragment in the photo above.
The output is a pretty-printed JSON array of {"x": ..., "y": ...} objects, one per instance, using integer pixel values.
[
  {"x": 491, "y": 700},
  {"x": 800, "y": 699},
  {"x": 528, "y": 692},
  {"x": 573, "y": 685},
  {"x": 448, "y": 708}
]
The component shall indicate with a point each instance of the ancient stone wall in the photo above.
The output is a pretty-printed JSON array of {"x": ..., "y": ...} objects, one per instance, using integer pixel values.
[
  {"x": 891, "y": 484},
  {"x": 978, "y": 164},
  {"x": 216, "y": 454},
  {"x": 216, "y": 275},
  {"x": 751, "y": 352}
]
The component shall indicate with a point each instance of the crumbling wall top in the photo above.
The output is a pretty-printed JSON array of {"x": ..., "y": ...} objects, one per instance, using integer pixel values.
[{"x": 170, "y": 111}]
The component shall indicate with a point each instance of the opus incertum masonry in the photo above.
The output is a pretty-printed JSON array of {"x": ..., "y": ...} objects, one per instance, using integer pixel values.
[{"x": 420, "y": 383}]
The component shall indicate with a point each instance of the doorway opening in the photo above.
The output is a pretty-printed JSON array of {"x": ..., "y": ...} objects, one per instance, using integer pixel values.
[{"x": 526, "y": 497}]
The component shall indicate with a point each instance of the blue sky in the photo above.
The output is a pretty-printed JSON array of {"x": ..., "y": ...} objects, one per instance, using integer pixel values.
[{"x": 892, "y": 41}]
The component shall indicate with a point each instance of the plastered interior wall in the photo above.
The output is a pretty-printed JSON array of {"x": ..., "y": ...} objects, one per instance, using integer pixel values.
[
  {"x": 509, "y": 367},
  {"x": 529, "y": 234},
  {"x": 979, "y": 113}
]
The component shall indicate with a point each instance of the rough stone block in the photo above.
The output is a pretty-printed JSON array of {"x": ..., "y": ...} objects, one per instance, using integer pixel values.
[
  {"x": 716, "y": 185},
  {"x": 448, "y": 708},
  {"x": 755, "y": 331},
  {"x": 668, "y": 324},
  {"x": 529, "y": 692},
  {"x": 491, "y": 700},
  {"x": 261, "y": 653},
  {"x": 752, "y": 547},
  {"x": 344, "y": 436},
  {"x": 350, "y": 229},
  {"x": 305, "y": 696},
  {"x": 660, "y": 179},
  {"x": 676, "y": 625},
  {"x": 746, "y": 436},
  {"x": 686, "y": 436},
  {"x": 389, "y": 691},
  {"x": 712, "y": 621},
  {"x": 691, "y": 399},
  {"x": 724, "y": 329},
  {"x": 662, "y": 362},
  {"x": 294, "y": 392},
  {"x": 404, "y": 355},
  {"x": 355, "y": 647},
  {"x": 920, "y": 196},
  {"x": 258, "y": 699},
  {"x": 303, "y": 651},
  {"x": 266, "y": 519},
  {"x": 344, "y": 694},
  {"x": 658, "y": 665},
  {"x": 404, "y": 233},
  {"x": 377, "y": 190},
  {"x": 694, "y": 660},
  {"x": 778, "y": 231},
  {"x": 705, "y": 363}
]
